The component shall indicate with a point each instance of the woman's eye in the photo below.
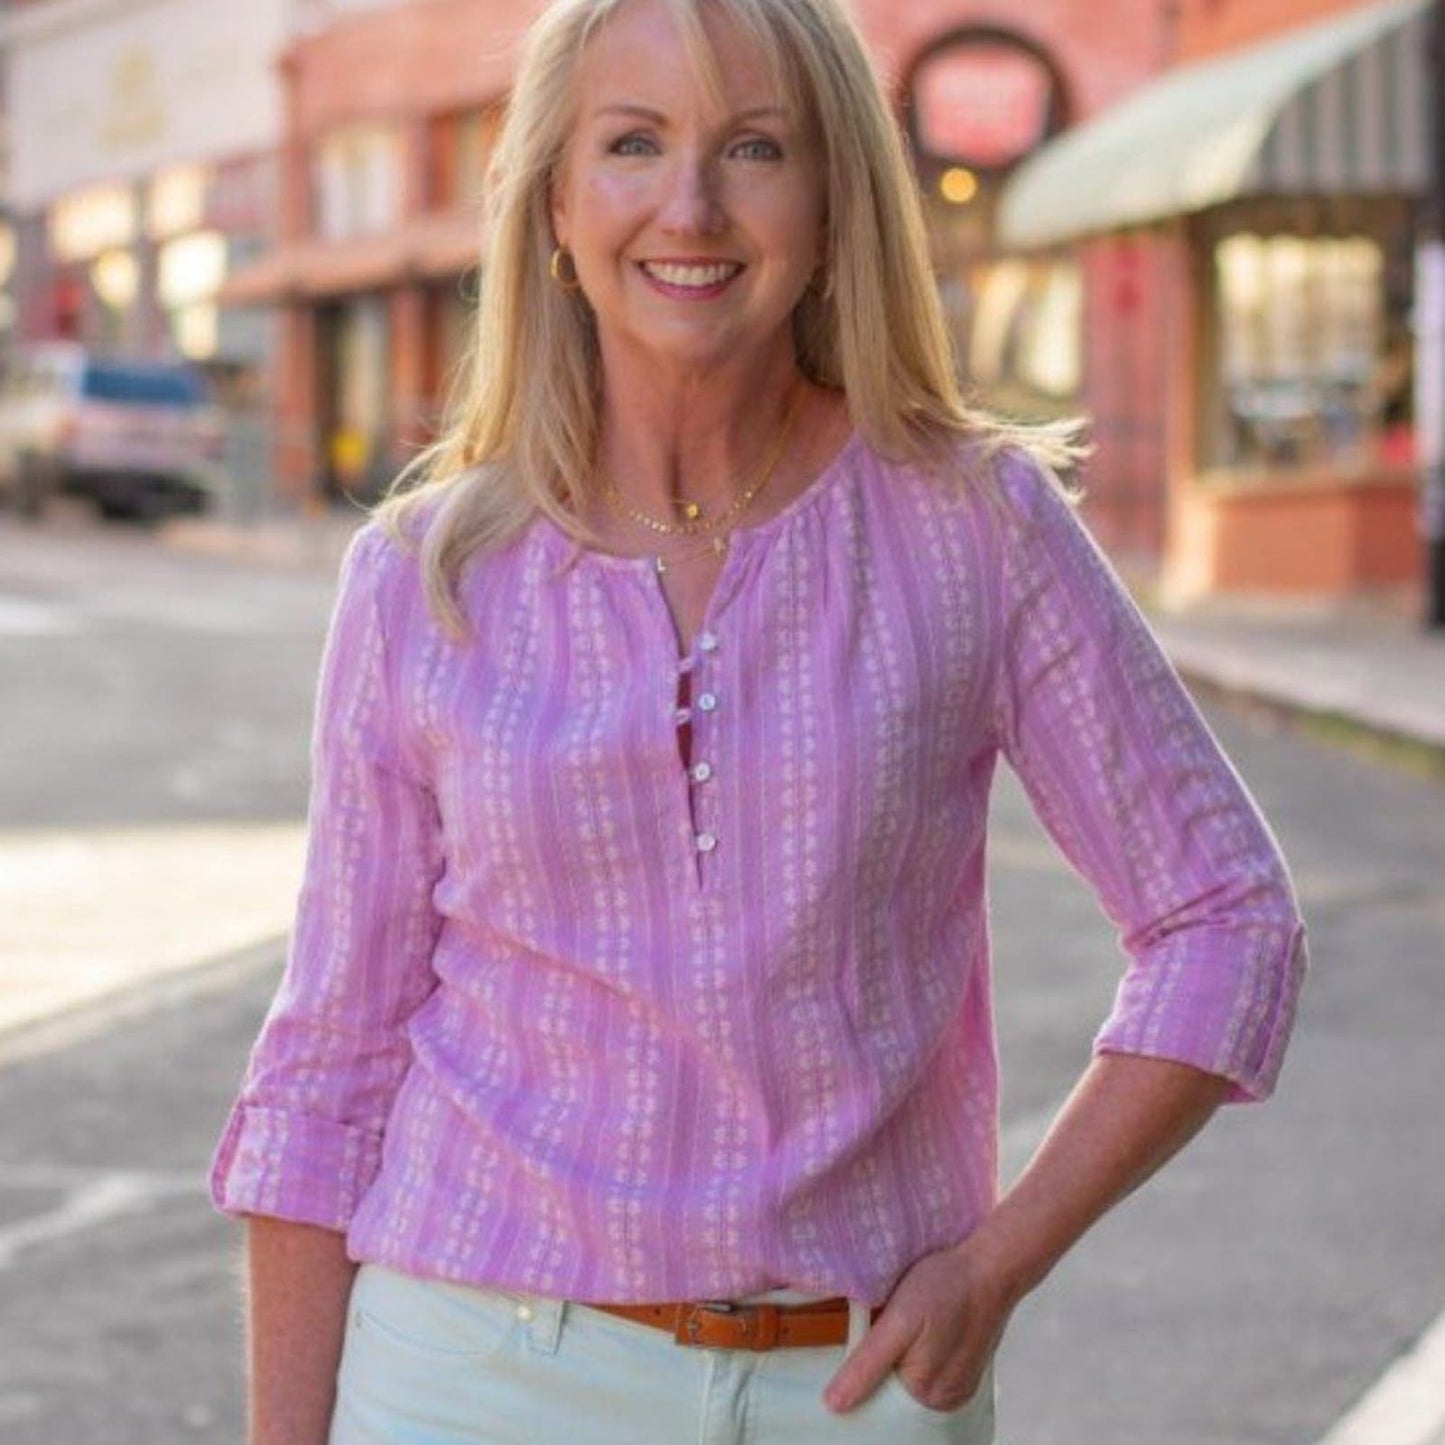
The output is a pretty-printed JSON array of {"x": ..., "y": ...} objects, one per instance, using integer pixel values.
[
  {"x": 759, "y": 148},
  {"x": 632, "y": 145}
]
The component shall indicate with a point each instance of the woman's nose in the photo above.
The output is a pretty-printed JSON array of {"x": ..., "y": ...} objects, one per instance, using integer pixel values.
[{"x": 692, "y": 204}]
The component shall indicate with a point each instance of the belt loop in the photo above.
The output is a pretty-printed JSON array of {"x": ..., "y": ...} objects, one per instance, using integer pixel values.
[
  {"x": 860, "y": 1319},
  {"x": 543, "y": 1318}
]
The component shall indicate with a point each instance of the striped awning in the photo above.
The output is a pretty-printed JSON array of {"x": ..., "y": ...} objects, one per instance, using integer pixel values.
[{"x": 1336, "y": 108}]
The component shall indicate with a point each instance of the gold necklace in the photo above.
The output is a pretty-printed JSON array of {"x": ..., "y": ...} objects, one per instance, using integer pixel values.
[
  {"x": 713, "y": 546},
  {"x": 696, "y": 525}
]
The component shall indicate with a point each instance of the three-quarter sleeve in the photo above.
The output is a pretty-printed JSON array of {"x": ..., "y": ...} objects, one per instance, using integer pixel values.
[
  {"x": 303, "y": 1141},
  {"x": 1128, "y": 780}
]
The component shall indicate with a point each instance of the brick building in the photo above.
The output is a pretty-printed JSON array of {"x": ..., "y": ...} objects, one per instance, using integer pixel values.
[
  {"x": 389, "y": 115},
  {"x": 141, "y": 141},
  {"x": 1273, "y": 177}
]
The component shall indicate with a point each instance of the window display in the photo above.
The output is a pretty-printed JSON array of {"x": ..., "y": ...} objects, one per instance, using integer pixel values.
[{"x": 1312, "y": 359}]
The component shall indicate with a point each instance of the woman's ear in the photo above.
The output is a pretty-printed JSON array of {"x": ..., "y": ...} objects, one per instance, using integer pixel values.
[{"x": 557, "y": 210}]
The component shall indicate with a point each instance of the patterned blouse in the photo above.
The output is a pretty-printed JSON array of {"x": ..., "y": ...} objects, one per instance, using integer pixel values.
[{"x": 569, "y": 1012}]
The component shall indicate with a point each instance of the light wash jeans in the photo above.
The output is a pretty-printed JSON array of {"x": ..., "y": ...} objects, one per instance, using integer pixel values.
[{"x": 427, "y": 1363}]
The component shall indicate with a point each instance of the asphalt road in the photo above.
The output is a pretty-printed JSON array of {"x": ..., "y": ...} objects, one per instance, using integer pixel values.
[{"x": 1245, "y": 1297}]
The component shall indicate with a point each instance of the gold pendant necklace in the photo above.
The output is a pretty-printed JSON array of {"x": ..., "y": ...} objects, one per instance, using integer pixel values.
[
  {"x": 695, "y": 523},
  {"x": 717, "y": 546}
]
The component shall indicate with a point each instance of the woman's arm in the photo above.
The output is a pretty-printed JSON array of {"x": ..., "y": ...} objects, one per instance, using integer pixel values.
[
  {"x": 299, "y": 1283},
  {"x": 1127, "y": 779},
  {"x": 941, "y": 1325}
]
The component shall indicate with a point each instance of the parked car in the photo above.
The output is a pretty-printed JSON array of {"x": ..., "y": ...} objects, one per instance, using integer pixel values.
[{"x": 140, "y": 439}]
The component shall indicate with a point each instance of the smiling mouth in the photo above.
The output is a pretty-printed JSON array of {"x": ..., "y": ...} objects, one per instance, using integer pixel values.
[{"x": 691, "y": 276}]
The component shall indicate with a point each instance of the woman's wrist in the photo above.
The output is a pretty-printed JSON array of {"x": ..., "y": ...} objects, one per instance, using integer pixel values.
[{"x": 1012, "y": 1255}]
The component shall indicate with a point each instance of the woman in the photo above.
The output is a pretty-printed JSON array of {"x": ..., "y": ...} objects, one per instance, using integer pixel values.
[{"x": 636, "y": 1036}]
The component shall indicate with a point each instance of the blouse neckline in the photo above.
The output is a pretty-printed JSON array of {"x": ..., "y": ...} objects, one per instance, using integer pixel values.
[{"x": 741, "y": 536}]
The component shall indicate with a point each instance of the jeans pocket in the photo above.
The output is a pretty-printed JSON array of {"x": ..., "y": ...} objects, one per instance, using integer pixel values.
[
  {"x": 429, "y": 1319},
  {"x": 971, "y": 1423}
]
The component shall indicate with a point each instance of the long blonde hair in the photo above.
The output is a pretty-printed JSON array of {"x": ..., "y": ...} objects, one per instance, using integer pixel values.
[{"x": 523, "y": 429}]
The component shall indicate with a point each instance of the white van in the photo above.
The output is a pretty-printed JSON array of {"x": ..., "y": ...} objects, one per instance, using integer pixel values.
[{"x": 140, "y": 439}]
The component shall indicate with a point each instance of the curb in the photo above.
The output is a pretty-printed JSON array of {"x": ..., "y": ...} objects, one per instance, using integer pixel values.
[
  {"x": 314, "y": 543},
  {"x": 1385, "y": 735}
]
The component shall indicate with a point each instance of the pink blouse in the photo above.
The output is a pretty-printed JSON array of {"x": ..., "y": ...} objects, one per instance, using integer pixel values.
[{"x": 564, "y": 1016}]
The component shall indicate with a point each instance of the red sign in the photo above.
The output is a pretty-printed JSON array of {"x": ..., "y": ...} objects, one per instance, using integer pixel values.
[{"x": 981, "y": 103}]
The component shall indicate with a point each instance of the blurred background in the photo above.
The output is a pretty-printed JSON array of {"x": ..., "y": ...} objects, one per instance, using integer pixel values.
[{"x": 238, "y": 251}]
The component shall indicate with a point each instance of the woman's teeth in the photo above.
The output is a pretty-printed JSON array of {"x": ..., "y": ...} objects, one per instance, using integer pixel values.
[{"x": 698, "y": 277}]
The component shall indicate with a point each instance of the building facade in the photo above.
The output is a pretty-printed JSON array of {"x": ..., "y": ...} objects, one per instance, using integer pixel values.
[
  {"x": 389, "y": 116},
  {"x": 143, "y": 136},
  {"x": 1274, "y": 174}
]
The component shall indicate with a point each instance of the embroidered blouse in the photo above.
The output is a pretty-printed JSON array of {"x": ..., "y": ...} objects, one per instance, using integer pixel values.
[{"x": 564, "y": 1015}]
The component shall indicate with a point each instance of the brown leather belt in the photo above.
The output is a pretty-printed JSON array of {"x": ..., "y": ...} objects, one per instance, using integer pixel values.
[{"x": 725, "y": 1325}]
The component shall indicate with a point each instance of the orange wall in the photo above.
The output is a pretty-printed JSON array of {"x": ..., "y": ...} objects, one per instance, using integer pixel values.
[
  {"x": 1304, "y": 540},
  {"x": 1209, "y": 26},
  {"x": 407, "y": 60},
  {"x": 1103, "y": 50},
  {"x": 436, "y": 55}
]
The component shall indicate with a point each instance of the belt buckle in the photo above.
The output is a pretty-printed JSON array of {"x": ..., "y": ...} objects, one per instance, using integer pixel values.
[{"x": 747, "y": 1327}]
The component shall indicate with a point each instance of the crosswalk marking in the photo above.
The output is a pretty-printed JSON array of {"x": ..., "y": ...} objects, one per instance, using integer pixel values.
[{"x": 1406, "y": 1405}]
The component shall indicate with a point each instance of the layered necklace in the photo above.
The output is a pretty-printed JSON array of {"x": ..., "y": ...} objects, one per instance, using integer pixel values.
[{"x": 712, "y": 530}]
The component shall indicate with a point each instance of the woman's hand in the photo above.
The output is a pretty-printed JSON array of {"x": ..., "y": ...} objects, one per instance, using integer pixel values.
[
  {"x": 939, "y": 1330},
  {"x": 947, "y": 1313}
]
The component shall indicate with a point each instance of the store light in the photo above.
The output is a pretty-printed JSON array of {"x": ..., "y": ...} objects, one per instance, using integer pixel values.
[
  {"x": 958, "y": 185},
  {"x": 85, "y": 223},
  {"x": 197, "y": 330},
  {"x": 191, "y": 268},
  {"x": 177, "y": 200},
  {"x": 116, "y": 278}
]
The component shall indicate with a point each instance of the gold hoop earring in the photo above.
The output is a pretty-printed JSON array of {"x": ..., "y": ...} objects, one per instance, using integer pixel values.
[
  {"x": 569, "y": 284},
  {"x": 821, "y": 284}
]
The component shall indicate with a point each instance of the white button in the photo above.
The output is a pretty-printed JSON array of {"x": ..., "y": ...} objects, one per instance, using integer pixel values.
[
  {"x": 705, "y": 842},
  {"x": 707, "y": 641},
  {"x": 701, "y": 772},
  {"x": 707, "y": 702},
  {"x": 682, "y": 715},
  {"x": 524, "y": 1313}
]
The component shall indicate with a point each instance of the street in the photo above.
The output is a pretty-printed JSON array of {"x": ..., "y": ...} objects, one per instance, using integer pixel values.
[{"x": 160, "y": 701}]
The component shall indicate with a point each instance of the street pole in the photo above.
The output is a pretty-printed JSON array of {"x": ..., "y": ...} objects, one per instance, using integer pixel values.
[{"x": 1430, "y": 340}]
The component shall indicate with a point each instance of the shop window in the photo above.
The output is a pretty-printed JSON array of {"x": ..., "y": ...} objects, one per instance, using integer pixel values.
[
  {"x": 463, "y": 142},
  {"x": 85, "y": 223},
  {"x": 1024, "y": 337},
  {"x": 358, "y": 181},
  {"x": 356, "y": 345},
  {"x": 176, "y": 200},
  {"x": 1312, "y": 365}
]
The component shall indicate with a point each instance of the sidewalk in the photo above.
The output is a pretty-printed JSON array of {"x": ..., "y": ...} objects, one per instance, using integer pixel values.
[
  {"x": 1376, "y": 672},
  {"x": 1373, "y": 670},
  {"x": 314, "y": 540}
]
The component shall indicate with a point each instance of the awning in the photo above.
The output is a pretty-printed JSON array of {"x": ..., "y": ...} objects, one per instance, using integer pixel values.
[
  {"x": 1340, "y": 107},
  {"x": 435, "y": 246}
]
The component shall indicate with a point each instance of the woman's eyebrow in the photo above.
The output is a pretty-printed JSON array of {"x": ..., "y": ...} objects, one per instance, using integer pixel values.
[{"x": 657, "y": 117}]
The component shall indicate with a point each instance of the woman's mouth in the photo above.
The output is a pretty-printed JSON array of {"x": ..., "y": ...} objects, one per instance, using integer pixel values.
[{"x": 690, "y": 279}]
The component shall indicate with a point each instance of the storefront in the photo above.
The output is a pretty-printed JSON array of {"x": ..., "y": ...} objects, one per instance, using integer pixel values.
[
  {"x": 1280, "y": 184},
  {"x": 978, "y": 99},
  {"x": 392, "y": 116},
  {"x": 142, "y": 173}
]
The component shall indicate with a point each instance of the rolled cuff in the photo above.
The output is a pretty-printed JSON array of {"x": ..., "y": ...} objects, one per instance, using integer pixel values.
[
  {"x": 297, "y": 1167},
  {"x": 1224, "y": 1004}
]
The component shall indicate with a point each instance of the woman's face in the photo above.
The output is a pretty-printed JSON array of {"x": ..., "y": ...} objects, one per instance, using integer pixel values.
[{"x": 694, "y": 225}]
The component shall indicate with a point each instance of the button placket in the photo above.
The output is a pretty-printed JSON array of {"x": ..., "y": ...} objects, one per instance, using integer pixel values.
[{"x": 705, "y": 705}]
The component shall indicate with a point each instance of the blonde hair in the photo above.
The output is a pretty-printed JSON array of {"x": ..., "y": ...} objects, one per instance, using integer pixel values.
[{"x": 524, "y": 420}]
